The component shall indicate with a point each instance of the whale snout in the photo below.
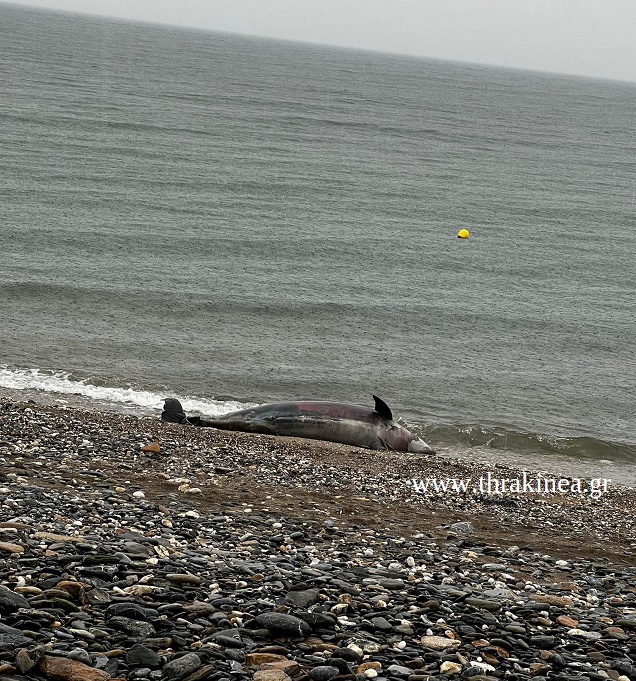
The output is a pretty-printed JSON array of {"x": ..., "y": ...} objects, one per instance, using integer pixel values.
[{"x": 418, "y": 446}]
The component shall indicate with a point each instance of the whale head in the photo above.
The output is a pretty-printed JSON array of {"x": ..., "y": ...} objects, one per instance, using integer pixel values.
[
  {"x": 417, "y": 445},
  {"x": 397, "y": 437}
]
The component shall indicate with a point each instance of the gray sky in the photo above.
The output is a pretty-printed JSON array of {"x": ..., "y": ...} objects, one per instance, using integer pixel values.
[{"x": 585, "y": 37}]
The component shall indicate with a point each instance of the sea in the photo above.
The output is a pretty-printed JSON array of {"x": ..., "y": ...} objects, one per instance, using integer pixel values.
[{"x": 232, "y": 220}]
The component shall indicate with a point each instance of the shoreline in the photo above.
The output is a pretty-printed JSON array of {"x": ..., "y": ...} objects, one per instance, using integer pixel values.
[
  {"x": 338, "y": 480},
  {"x": 621, "y": 472},
  {"x": 133, "y": 549}
]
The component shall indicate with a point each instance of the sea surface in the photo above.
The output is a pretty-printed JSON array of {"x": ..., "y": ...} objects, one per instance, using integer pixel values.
[{"x": 234, "y": 220}]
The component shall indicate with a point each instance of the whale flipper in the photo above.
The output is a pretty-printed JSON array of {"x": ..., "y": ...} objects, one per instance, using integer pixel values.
[{"x": 382, "y": 408}]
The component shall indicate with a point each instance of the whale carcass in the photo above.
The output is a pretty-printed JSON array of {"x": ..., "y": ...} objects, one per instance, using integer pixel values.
[{"x": 348, "y": 424}]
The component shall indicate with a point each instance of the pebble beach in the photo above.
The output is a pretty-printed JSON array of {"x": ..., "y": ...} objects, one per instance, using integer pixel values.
[{"x": 134, "y": 549}]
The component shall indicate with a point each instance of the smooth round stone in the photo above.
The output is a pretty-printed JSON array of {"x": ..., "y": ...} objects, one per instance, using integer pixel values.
[
  {"x": 323, "y": 673},
  {"x": 399, "y": 671},
  {"x": 80, "y": 655},
  {"x": 227, "y": 641},
  {"x": 183, "y": 578},
  {"x": 182, "y": 666}
]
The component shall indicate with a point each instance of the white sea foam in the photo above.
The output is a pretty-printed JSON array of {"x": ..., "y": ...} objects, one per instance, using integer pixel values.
[{"x": 62, "y": 383}]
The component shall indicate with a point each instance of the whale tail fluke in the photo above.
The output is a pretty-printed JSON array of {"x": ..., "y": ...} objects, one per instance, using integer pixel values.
[{"x": 173, "y": 412}]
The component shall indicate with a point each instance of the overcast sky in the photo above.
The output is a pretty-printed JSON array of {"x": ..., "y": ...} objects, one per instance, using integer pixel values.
[{"x": 585, "y": 37}]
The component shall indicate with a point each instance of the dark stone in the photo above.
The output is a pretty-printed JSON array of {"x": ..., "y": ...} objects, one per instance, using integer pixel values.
[
  {"x": 139, "y": 655},
  {"x": 11, "y": 642},
  {"x": 130, "y": 610},
  {"x": 318, "y": 620},
  {"x": 323, "y": 673},
  {"x": 381, "y": 623},
  {"x": 132, "y": 627},
  {"x": 624, "y": 667},
  {"x": 98, "y": 596},
  {"x": 80, "y": 655},
  {"x": 280, "y": 623},
  {"x": 232, "y": 654},
  {"x": 347, "y": 654},
  {"x": 542, "y": 641},
  {"x": 343, "y": 665},
  {"x": 302, "y": 599},
  {"x": 483, "y": 603},
  {"x": 11, "y": 601},
  {"x": 182, "y": 666}
]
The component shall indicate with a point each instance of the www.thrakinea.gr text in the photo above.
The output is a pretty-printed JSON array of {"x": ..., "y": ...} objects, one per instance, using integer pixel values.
[{"x": 525, "y": 483}]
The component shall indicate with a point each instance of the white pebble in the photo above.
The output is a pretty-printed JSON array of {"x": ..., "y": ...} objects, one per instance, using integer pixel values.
[{"x": 139, "y": 494}]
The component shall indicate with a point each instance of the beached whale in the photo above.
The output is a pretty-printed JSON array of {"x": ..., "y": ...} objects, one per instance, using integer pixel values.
[{"x": 331, "y": 421}]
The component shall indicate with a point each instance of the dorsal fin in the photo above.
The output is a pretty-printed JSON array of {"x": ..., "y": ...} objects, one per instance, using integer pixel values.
[{"x": 382, "y": 408}]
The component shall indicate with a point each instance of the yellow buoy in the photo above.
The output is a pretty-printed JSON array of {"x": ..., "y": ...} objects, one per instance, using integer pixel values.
[{"x": 463, "y": 234}]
